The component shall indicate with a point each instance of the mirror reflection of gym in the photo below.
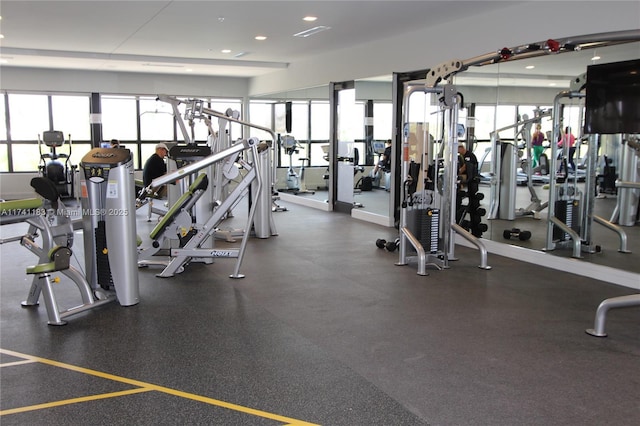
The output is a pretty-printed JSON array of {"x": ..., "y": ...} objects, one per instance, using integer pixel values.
[{"x": 519, "y": 193}]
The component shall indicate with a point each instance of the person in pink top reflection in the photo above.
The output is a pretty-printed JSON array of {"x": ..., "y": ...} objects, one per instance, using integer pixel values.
[{"x": 567, "y": 138}]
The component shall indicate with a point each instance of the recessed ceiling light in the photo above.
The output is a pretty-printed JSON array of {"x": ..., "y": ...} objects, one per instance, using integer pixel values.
[
  {"x": 530, "y": 67},
  {"x": 261, "y": 37},
  {"x": 595, "y": 58},
  {"x": 309, "y": 18},
  {"x": 226, "y": 50},
  {"x": 311, "y": 31}
]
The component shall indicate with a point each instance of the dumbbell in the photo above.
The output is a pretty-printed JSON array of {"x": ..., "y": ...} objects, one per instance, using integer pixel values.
[
  {"x": 389, "y": 245},
  {"x": 516, "y": 233}
]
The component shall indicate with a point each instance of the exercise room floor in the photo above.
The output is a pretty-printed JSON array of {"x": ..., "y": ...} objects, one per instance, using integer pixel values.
[{"x": 324, "y": 329}]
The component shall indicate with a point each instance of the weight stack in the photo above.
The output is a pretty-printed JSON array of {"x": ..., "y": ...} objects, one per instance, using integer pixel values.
[
  {"x": 429, "y": 225},
  {"x": 105, "y": 279},
  {"x": 568, "y": 212}
]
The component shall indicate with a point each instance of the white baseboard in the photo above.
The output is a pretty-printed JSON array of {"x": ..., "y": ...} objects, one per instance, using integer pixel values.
[
  {"x": 573, "y": 266},
  {"x": 304, "y": 201},
  {"x": 371, "y": 217}
]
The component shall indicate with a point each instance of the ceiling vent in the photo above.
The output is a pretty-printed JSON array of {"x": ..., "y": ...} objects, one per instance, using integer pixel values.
[{"x": 311, "y": 31}]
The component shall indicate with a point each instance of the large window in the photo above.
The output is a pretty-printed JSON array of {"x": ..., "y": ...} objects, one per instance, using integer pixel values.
[
  {"x": 224, "y": 106},
  {"x": 382, "y": 121},
  {"x": 506, "y": 117},
  {"x": 26, "y": 157},
  {"x": 4, "y": 157},
  {"x": 314, "y": 148},
  {"x": 138, "y": 122},
  {"x": 320, "y": 129},
  {"x": 485, "y": 121},
  {"x": 71, "y": 116},
  {"x": 3, "y": 122},
  {"x": 300, "y": 120},
  {"x": 320, "y": 120},
  {"x": 156, "y": 120},
  {"x": 261, "y": 114},
  {"x": 4, "y": 147},
  {"x": 309, "y": 126},
  {"x": 119, "y": 118},
  {"x": 29, "y": 116}
]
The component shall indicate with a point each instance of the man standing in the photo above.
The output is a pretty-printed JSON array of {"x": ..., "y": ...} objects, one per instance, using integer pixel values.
[{"x": 468, "y": 169}]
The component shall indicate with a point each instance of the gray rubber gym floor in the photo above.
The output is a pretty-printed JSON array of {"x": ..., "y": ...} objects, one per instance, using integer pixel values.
[{"x": 324, "y": 329}]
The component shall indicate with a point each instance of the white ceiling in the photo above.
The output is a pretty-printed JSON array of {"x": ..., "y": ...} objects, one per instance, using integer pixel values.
[
  {"x": 179, "y": 35},
  {"x": 187, "y": 37}
]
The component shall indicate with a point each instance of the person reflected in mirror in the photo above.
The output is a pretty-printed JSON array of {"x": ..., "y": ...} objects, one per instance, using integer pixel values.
[
  {"x": 536, "y": 142},
  {"x": 383, "y": 164},
  {"x": 155, "y": 167},
  {"x": 468, "y": 168},
  {"x": 567, "y": 138}
]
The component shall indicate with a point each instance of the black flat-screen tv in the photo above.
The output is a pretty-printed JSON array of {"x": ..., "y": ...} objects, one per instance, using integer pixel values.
[{"x": 613, "y": 98}]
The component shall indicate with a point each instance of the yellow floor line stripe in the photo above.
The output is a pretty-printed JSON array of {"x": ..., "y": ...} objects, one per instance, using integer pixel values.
[
  {"x": 150, "y": 386},
  {"x": 73, "y": 401},
  {"x": 11, "y": 364}
]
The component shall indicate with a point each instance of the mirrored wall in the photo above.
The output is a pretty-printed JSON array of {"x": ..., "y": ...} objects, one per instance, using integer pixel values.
[{"x": 504, "y": 104}]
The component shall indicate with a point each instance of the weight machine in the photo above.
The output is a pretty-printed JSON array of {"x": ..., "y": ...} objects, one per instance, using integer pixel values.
[
  {"x": 427, "y": 216},
  {"x": 54, "y": 224},
  {"x": 504, "y": 175},
  {"x": 177, "y": 223},
  {"x": 193, "y": 239},
  {"x": 222, "y": 174},
  {"x": 109, "y": 222},
  {"x": 570, "y": 212}
]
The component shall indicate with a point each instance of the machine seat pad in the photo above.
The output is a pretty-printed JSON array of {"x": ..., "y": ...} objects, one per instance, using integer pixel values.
[
  {"x": 41, "y": 268},
  {"x": 201, "y": 182},
  {"x": 45, "y": 188}
]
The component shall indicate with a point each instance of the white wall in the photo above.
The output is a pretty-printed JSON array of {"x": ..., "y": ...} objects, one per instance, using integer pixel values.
[
  {"x": 57, "y": 80},
  {"x": 509, "y": 95}
]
